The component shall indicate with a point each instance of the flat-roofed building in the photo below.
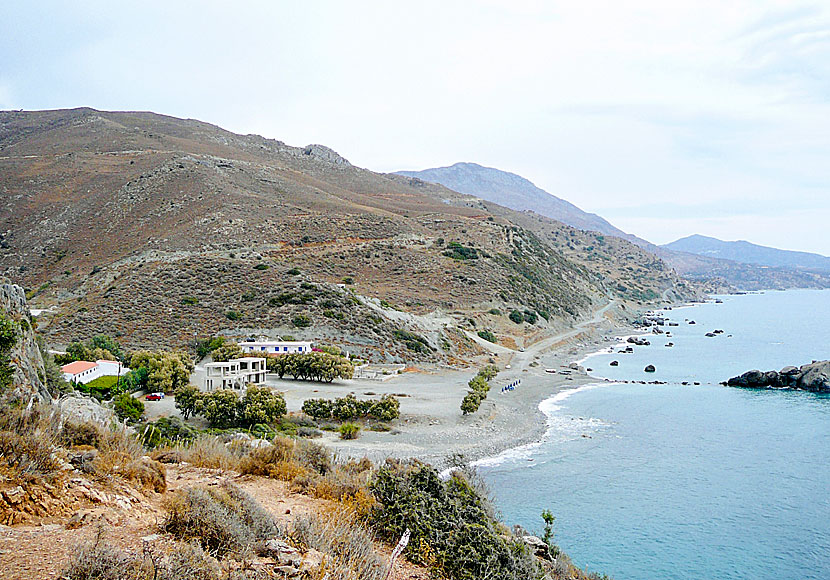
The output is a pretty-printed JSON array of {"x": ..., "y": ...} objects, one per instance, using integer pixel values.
[
  {"x": 234, "y": 375},
  {"x": 273, "y": 347}
]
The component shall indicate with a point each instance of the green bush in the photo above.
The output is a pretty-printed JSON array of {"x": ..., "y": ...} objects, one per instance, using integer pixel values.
[
  {"x": 349, "y": 431},
  {"x": 128, "y": 407},
  {"x": 488, "y": 336},
  {"x": 471, "y": 402},
  {"x": 233, "y": 315},
  {"x": 190, "y": 300},
  {"x": 261, "y": 266},
  {"x": 8, "y": 338},
  {"x": 294, "y": 272},
  {"x": 301, "y": 321},
  {"x": 517, "y": 317},
  {"x": 457, "y": 251},
  {"x": 452, "y": 524},
  {"x": 413, "y": 341}
]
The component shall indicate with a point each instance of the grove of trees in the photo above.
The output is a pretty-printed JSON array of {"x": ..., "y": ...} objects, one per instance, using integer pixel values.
[{"x": 312, "y": 366}]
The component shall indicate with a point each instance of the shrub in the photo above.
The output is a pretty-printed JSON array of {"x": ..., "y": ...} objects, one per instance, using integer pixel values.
[
  {"x": 233, "y": 315},
  {"x": 166, "y": 431},
  {"x": 346, "y": 542},
  {"x": 190, "y": 300},
  {"x": 349, "y": 431},
  {"x": 456, "y": 251},
  {"x": 516, "y": 316},
  {"x": 301, "y": 321},
  {"x": 349, "y": 280},
  {"x": 451, "y": 522},
  {"x": 128, "y": 407},
  {"x": 8, "y": 338},
  {"x": 471, "y": 402},
  {"x": 488, "y": 336},
  {"x": 495, "y": 312},
  {"x": 413, "y": 341},
  {"x": 294, "y": 272},
  {"x": 222, "y": 519},
  {"x": 206, "y": 346},
  {"x": 261, "y": 266}
]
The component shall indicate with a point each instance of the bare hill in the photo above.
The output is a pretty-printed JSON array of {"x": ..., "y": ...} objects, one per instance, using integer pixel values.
[{"x": 160, "y": 230}]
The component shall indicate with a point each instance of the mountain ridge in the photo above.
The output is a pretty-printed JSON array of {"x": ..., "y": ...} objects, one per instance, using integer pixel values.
[
  {"x": 155, "y": 230},
  {"x": 750, "y": 253},
  {"x": 516, "y": 192}
]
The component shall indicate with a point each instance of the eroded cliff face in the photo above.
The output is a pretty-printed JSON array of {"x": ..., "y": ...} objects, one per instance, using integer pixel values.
[{"x": 25, "y": 360}]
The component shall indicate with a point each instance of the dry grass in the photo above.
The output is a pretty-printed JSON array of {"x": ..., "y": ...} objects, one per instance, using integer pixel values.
[
  {"x": 346, "y": 542},
  {"x": 225, "y": 520}
]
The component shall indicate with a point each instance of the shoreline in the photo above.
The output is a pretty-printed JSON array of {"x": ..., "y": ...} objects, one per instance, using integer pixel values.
[{"x": 432, "y": 428}]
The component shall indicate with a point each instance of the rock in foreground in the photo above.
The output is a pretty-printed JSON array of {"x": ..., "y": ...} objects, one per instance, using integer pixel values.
[{"x": 814, "y": 377}]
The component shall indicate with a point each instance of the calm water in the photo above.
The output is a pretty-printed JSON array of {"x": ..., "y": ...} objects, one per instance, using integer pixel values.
[{"x": 703, "y": 482}]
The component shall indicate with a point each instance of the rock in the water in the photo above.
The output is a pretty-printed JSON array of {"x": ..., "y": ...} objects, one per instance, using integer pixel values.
[
  {"x": 650, "y": 369},
  {"x": 615, "y": 363},
  {"x": 811, "y": 377}
]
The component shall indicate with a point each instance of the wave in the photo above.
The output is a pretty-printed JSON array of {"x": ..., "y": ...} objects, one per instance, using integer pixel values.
[{"x": 556, "y": 425}]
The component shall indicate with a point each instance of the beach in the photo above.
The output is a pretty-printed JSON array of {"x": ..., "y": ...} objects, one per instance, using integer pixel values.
[{"x": 432, "y": 427}]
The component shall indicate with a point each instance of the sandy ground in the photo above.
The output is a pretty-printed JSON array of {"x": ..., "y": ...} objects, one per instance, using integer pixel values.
[{"x": 431, "y": 426}]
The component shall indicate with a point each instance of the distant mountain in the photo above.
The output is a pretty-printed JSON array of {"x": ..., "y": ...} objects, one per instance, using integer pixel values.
[
  {"x": 515, "y": 192},
  {"x": 748, "y": 253}
]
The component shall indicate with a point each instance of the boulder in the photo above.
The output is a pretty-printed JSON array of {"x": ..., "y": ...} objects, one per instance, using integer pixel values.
[
  {"x": 615, "y": 363},
  {"x": 539, "y": 548},
  {"x": 650, "y": 369},
  {"x": 815, "y": 377}
]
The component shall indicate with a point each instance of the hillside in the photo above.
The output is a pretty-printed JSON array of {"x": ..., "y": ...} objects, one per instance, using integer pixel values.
[
  {"x": 160, "y": 231},
  {"x": 749, "y": 253},
  {"x": 515, "y": 192}
]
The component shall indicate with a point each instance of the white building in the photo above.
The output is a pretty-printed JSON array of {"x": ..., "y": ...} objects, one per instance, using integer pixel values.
[
  {"x": 82, "y": 371},
  {"x": 276, "y": 347},
  {"x": 235, "y": 374}
]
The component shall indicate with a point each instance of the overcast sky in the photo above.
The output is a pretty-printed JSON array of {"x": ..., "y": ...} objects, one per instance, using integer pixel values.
[{"x": 666, "y": 118}]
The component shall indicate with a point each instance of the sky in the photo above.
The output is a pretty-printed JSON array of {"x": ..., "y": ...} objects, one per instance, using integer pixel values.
[{"x": 666, "y": 118}]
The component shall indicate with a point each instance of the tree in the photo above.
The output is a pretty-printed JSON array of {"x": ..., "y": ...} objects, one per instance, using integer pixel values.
[
  {"x": 220, "y": 408},
  {"x": 261, "y": 405},
  {"x": 471, "y": 402},
  {"x": 226, "y": 352},
  {"x": 128, "y": 407},
  {"x": 187, "y": 400},
  {"x": 166, "y": 370}
]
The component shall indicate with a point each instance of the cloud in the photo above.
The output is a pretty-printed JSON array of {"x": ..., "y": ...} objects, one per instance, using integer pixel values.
[{"x": 699, "y": 108}]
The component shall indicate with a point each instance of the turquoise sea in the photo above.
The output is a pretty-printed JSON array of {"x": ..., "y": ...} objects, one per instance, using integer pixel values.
[{"x": 689, "y": 482}]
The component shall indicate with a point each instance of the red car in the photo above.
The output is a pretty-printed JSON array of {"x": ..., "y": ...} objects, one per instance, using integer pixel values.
[{"x": 153, "y": 397}]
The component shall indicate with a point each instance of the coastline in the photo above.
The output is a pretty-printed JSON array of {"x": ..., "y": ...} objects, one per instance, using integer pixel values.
[{"x": 432, "y": 428}]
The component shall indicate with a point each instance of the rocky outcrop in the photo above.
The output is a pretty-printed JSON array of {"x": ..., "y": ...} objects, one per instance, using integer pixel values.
[
  {"x": 325, "y": 154},
  {"x": 25, "y": 358},
  {"x": 814, "y": 377}
]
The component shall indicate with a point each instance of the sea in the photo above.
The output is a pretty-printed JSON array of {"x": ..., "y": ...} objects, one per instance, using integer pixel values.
[{"x": 679, "y": 481}]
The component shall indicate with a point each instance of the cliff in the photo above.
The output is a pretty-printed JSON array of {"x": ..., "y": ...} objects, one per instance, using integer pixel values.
[{"x": 24, "y": 357}]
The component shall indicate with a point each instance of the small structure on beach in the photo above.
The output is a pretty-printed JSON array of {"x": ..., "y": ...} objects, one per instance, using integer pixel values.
[
  {"x": 275, "y": 347},
  {"x": 234, "y": 375}
]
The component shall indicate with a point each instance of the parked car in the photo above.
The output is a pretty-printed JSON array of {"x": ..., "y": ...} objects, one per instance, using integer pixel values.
[{"x": 154, "y": 397}]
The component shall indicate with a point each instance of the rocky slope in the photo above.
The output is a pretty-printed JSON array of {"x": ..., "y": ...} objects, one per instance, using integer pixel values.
[
  {"x": 159, "y": 231},
  {"x": 28, "y": 373},
  {"x": 515, "y": 192}
]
